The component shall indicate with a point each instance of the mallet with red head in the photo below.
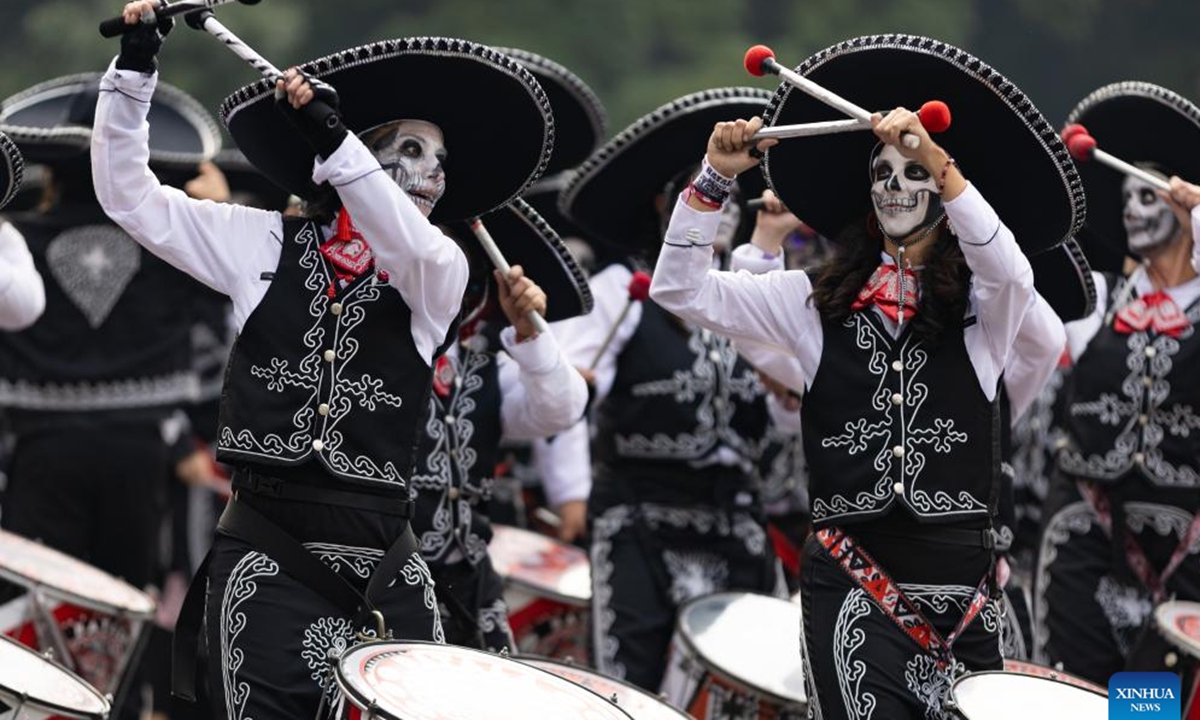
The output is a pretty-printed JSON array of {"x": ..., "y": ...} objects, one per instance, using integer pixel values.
[{"x": 1083, "y": 148}]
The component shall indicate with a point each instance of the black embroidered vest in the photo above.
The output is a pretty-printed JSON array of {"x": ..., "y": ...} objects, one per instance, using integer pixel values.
[
  {"x": 334, "y": 379},
  {"x": 892, "y": 422},
  {"x": 457, "y": 452},
  {"x": 1133, "y": 410},
  {"x": 114, "y": 336},
  {"x": 678, "y": 396}
]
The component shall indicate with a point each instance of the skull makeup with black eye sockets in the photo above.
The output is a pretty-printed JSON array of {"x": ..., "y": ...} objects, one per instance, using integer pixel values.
[
  {"x": 412, "y": 153},
  {"x": 904, "y": 193},
  {"x": 1149, "y": 222}
]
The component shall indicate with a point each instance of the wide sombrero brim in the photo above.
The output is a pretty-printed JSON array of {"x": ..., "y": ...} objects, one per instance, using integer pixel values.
[
  {"x": 1063, "y": 277},
  {"x": 243, "y": 177},
  {"x": 580, "y": 122},
  {"x": 495, "y": 118},
  {"x": 1002, "y": 143},
  {"x": 51, "y": 123},
  {"x": 1137, "y": 122},
  {"x": 526, "y": 239},
  {"x": 613, "y": 193},
  {"x": 12, "y": 169}
]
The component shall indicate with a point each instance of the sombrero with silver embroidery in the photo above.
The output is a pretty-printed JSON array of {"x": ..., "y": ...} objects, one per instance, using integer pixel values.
[
  {"x": 612, "y": 195},
  {"x": 1063, "y": 277},
  {"x": 998, "y": 137},
  {"x": 1139, "y": 123},
  {"x": 580, "y": 122},
  {"x": 11, "y": 169},
  {"x": 526, "y": 239},
  {"x": 495, "y": 118},
  {"x": 51, "y": 122}
]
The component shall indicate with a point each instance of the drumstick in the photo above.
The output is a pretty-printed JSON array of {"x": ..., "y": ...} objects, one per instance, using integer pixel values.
[
  {"x": 934, "y": 115},
  {"x": 1083, "y": 148},
  {"x": 639, "y": 290},
  {"x": 493, "y": 252}
]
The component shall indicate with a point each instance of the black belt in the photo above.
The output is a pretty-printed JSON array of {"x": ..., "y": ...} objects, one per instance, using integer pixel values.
[
  {"x": 984, "y": 538},
  {"x": 246, "y": 524},
  {"x": 272, "y": 487}
]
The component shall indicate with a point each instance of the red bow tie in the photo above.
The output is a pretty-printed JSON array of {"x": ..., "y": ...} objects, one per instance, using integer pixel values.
[
  {"x": 348, "y": 249},
  {"x": 883, "y": 291},
  {"x": 1156, "y": 310}
]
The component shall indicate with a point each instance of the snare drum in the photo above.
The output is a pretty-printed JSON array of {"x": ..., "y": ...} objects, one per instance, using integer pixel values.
[
  {"x": 640, "y": 704},
  {"x": 33, "y": 688},
  {"x": 1172, "y": 643},
  {"x": 1003, "y": 695},
  {"x": 548, "y": 589},
  {"x": 741, "y": 651},
  {"x": 427, "y": 681},
  {"x": 1027, "y": 668},
  {"x": 92, "y": 622}
]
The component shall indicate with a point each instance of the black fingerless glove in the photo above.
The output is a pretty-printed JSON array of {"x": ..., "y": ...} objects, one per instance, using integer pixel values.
[
  {"x": 319, "y": 121},
  {"x": 140, "y": 45}
]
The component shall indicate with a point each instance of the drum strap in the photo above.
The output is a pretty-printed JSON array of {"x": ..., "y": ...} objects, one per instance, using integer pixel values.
[
  {"x": 886, "y": 593},
  {"x": 1156, "y": 583},
  {"x": 248, "y": 525}
]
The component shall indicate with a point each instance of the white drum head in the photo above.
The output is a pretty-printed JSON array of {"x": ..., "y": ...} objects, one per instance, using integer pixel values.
[
  {"x": 753, "y": 640},
  {"x": 30, "y": 564},
  {"x": 547, "y": 566},
  {"x": 1179, "y": 621},
  {"x": 1004, "y": 696},
  {"x": 44, "y": 685},
  {"x": 640, "y": 704},
  {"x": 426, "y": 681}
]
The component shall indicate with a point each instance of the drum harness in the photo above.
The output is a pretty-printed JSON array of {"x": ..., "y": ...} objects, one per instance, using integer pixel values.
[{"x": 242, "y": 522}]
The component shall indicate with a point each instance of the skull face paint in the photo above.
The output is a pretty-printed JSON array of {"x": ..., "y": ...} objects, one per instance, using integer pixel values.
[
  {"x": 903, "y": 192},
  {"x": 1149, "y": 222},
  {"x": 412, "y": 153}
]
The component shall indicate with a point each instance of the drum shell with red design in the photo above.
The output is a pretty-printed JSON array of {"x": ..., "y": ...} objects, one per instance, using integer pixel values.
[
  {"x": 429, "y": 681},
  {"x": 737, "y": 655},
  {"x": 640, "y": 704},
  {"x": 1003, "y": 695},
  {"x": 547, "y": 587},
  {"x": 1171, "y": 643},
  {"x": 91, "y": 621},
  {"x": 34, "y": 688}
]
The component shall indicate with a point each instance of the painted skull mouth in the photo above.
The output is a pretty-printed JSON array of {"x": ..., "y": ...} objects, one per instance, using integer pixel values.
[
  {"x": 896, "y": 204},
  {"x": 1146, "y": 225},
  {"x": 424, "y": 197}
]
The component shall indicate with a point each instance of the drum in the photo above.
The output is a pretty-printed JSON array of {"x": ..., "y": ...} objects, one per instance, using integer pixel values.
[
  {"x": 1172, "y": 644},
  {"x": 737, "y": 655},
  {"x": 91, "y": 622},
  {"x": 1027, "y": 668},
  {"x": 1003, "y": 695},
  {"x": 427, "y": 681},
  {"x": 640, "y": 704},
  {"x": 548, "y": 589},
  {"x": 34, "y": 688}
]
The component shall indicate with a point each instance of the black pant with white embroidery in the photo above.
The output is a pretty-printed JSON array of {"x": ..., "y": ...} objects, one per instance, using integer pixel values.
[
  {"x": 858, "y": 663},
  {"x": 271, "y": 640},
  {"x": 471, "y": 598},
  {"x": 648, "y": 561}
]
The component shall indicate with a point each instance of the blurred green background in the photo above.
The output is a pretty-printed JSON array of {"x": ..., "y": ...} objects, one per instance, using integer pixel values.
[{"x": 638, "y": 54}]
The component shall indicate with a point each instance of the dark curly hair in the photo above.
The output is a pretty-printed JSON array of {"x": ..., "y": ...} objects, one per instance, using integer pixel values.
[{"x": 945, "y": 279}]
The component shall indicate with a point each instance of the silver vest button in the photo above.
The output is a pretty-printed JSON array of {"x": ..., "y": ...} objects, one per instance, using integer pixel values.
[
  {"x": 329, "y": 355},
  {"x": 1139, "y": 458},
  {"x": 336, "y": 308},
  {"x": 318, "y": 445},
  {"x": 897, "y": 398},
  {"x": 323, "y": 409},
  {"x": 1151, "y": 352},
  {"x": 898, "y": 451},
  {"x": 452, "y": 493},
  {"x": 898, "y": 488},
  {"x": 897, "y": 365},
  {"x": 449, "y": 419}
]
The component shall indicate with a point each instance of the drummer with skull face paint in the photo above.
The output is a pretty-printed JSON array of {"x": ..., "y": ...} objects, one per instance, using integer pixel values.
[
  {"x": 1124, "y": 514},
  {"x": 901, "y": 342},
  {"x": 341, "y": 317}
]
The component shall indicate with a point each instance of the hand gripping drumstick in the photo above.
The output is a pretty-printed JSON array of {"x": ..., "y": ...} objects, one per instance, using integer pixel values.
[
  {"x": 116, "y": 26},
  {"x": 489, "y": 246},
  {"x": 1083, "y": 148},
  {"x": 760, "y": 60},
  {"x": 935, "y": 117}
]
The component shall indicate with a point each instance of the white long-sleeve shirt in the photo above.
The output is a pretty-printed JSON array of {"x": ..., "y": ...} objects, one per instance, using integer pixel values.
[
  {"x": 22, "y": 294},
  {"x": 773, "y": 308},
  {"x": 229, "y": 247}
]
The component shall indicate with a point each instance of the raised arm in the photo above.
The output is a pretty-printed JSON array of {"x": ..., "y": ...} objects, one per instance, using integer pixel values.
[{"x": 22, "y": 294}]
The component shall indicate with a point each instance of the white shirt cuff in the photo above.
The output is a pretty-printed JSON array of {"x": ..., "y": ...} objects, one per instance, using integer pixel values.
[
  {"x": 137, "y": 85},
  {"x": 351, "y": 161},
  {"x": 537, "y": 355},
  {"x": 755, "y": 260},
  {"x": 690, "y": 227}
]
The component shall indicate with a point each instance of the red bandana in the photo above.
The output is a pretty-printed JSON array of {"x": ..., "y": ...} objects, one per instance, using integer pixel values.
[
  {"x": 883, "y": 290},
  {"x": 1156, "y": 310},
  {"x": 348, "y": 249}
]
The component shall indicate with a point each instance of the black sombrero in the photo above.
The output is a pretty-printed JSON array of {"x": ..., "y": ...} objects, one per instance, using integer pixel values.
[
  {"x": 495, "y": 117},
  {"x": 52, "y": 123},
  {"x": 580, "y": 122},
  {"x": 1063, "y": 277},
  {"x": 12, "y": 168},
  {"x": 1000, "y": 140},
  {"x": 243, "y": 177},
  {"x": 612, "y": 194},
  {"x": 1139, "y": 123},
  {"x": 526, "y": 239}
]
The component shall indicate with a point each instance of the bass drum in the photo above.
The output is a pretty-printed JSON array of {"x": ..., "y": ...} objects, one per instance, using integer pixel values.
[
  {"x": 640, "y": 704},
  {"x": 33, "y": 688},
  {"x": 1004, "y": 695},
  {"x": 737, "y": 655},
  {"x": 428, "y": 681}
]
